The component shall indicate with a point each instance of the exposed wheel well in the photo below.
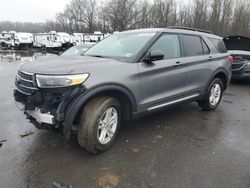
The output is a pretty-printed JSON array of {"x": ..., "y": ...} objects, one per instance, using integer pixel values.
[
  {"x": 223, "y": 77},
  {"x": 125, "y": 102}
]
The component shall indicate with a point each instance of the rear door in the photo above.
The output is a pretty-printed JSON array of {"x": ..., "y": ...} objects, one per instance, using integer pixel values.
[
  {"x": 197, "y": 63},
  {"x": 163, "y": 80}
]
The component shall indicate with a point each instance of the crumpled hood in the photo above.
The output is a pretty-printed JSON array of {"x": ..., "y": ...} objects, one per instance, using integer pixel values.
[{"x": 67, "y": 65}]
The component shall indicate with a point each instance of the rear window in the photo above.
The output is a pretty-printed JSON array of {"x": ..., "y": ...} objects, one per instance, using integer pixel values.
[
  {"x": 192, "y": 45},
  {"x": 219, "y": 45}
]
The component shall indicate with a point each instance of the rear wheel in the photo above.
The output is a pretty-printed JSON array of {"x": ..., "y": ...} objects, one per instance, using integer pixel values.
[
  {"x": 213, "y": 95},
  {"x": 100, "y": 124}
]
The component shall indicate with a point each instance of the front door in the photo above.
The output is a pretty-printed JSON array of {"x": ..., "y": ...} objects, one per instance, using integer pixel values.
[{"x": 163, "y": 80}]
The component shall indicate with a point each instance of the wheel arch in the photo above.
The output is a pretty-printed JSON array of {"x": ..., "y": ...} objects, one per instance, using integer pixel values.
[
  {"x": 121, "y": 93},
  {"x": 222, "y": 74}
]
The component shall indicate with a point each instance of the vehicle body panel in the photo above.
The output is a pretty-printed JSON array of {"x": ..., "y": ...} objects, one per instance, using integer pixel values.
[{"x": 160, "y": 81}]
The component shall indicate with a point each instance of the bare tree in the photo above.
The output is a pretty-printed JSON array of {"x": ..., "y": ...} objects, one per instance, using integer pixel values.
[
  {"x": 123, "y": 14},
  {"x": 88, "y": 10},
  {"x": 225, "y": 22},
  {"x": 74, "y": 14},
  {"x": 145, "y": 15},
  {"x": 241, "y": 23},
  {"x": 200, "y": 12},
  {"x": 215, "y": 17},
  {"x": 162, "y": 11},
  {"x": 222, "y": 17},
  {"x": 78, "y": 15},
  {"x": 62, "y": 21},
  {"x": 185, "y": 16}
]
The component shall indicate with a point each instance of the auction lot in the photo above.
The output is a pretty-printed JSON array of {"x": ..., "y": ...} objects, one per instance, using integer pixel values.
[{"x": 179, "y": 147}]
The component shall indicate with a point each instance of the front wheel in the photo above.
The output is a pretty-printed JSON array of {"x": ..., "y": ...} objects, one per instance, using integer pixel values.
[
  {"x": 213, "y": 95},
  {"x": 100, "y": 124}
]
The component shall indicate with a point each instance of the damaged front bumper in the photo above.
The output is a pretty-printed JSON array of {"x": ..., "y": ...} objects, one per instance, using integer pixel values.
[
  {"x": 37, "y": 114},
  {"x": 46, "y": 109},
  {"x": 41, "y": 117}
]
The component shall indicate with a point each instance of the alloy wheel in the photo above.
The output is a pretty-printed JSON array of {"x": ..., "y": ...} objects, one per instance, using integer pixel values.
[{"x": 107, "y": 125}]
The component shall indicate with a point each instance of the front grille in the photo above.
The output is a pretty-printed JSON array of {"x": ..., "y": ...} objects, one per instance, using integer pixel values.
[
  {"x": 26, "y": 76},
  {"x": 237, "y": 66},
  {"x": 25, "y": 83}
]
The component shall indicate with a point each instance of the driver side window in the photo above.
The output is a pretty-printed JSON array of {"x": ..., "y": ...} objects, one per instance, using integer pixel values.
[{"x": 170, "y": 46}]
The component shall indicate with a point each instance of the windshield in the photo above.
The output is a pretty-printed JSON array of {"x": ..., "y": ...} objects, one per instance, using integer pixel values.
[
  {"x": 123, "y": 45},
  {"x": 75, "y": 50}
]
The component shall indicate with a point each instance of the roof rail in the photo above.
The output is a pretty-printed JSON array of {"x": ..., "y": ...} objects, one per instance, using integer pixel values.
[{"x": 190, "y": 29}]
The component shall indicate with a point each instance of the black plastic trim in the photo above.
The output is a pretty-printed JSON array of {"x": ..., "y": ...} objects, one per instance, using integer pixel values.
[
  {"x": 218, "y": 71},
  {"x": 80, "y": 100}
]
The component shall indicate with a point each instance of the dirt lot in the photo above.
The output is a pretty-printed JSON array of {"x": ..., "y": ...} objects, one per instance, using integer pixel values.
[{"x": 179, "y": 147}]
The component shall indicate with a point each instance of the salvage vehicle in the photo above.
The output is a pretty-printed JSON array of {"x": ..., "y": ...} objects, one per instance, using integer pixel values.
[
  {"x": 239, "y": 48},
  {"x": 125, "y": 76}
]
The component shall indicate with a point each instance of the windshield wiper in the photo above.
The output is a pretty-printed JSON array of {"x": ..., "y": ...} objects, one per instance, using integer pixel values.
[{"x": 100, "y": 56}]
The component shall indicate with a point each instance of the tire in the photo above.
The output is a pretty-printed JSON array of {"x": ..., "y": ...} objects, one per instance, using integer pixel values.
[
  {"x": 95, "y": 113},
  {"x": 207, "y": 104}
]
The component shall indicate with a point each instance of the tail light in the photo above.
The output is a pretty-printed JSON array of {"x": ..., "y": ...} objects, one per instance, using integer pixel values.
[{"x": 230, "y": 58}]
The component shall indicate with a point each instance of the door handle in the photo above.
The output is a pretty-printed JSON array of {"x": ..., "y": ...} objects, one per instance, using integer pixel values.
[{"x": 178, "y": 63}]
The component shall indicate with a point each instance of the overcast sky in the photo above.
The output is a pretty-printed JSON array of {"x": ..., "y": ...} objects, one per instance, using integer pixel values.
[
  {"x": 33, "y": 10},
  {"x": 30, "y": 10}
]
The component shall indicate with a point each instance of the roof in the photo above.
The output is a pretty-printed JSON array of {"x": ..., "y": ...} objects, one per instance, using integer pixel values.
[{"x": 172, "y": 30}]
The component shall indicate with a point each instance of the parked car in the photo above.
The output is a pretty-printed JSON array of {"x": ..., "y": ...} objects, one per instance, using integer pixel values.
[
  {"x": 124, "y": 76},
  {"x": 76, "y": 50},
  {"x": 73, "y": 51},
  {"x": 239, "y": 48}
]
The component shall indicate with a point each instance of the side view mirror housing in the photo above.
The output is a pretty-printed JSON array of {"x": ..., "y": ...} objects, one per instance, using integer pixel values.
[{"x": 154, "y": 55}]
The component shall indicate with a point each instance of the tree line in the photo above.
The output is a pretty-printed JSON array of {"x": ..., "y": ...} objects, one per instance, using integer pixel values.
[
  {"x": 222, "y": 17},
  {"x": 22, "y": 27}
]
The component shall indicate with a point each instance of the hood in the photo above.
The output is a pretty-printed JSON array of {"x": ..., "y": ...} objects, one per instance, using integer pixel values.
[
  {"x": 67, "y": 65},
  {"x": 238, "y": 43}
]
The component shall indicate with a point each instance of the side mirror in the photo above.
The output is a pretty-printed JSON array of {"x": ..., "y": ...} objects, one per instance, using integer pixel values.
[{"x": 154, "y": 55}]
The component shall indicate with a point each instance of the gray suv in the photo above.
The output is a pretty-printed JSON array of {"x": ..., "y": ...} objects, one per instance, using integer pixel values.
[{"x": 125, "y": 76}]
